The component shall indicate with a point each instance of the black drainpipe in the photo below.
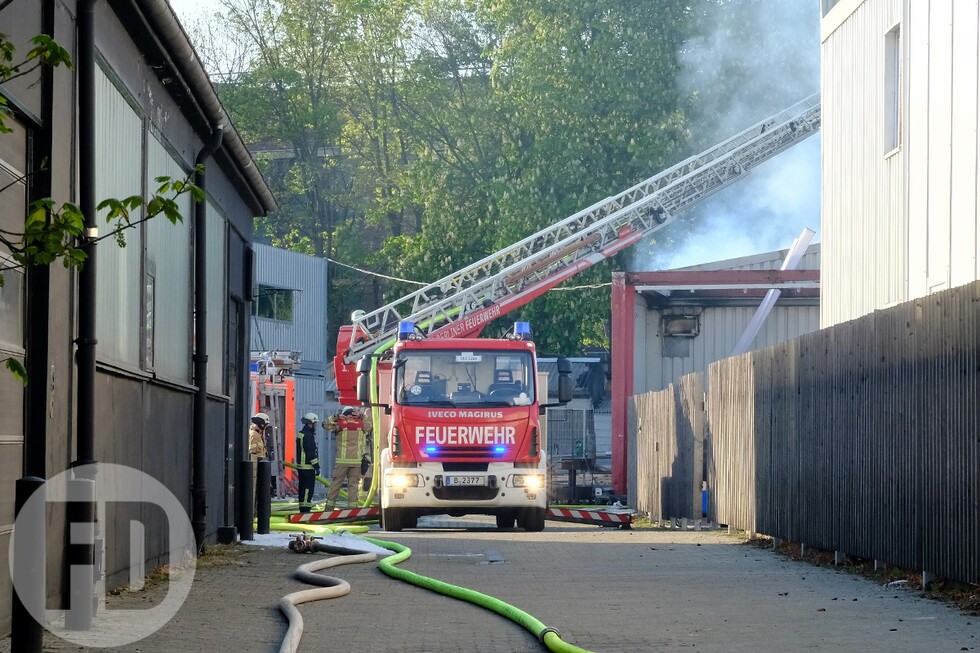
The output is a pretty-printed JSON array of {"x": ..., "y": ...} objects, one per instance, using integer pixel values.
[
  {"x": 199, "y": 490},
  {"x": 85, "y": 344}
]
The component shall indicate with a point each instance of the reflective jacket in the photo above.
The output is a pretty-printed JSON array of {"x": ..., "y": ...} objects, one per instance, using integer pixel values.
[
  {"x": 256, "y": 441},
  {"x": 351, "y": 433},
  {"x": 306, "y": 452}
]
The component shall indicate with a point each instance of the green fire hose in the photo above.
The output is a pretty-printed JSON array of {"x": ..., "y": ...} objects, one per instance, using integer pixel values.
[{"x": 547, "y": 636}]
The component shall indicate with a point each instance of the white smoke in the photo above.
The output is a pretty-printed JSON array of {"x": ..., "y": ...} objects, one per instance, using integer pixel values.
[{"x": 772, "y": 50}]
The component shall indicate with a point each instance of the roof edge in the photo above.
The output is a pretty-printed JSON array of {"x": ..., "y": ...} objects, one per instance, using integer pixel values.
[{"x": 164, "y": 22}]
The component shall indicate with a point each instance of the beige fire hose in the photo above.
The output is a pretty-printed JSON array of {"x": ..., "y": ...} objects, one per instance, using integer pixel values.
[{"x": 331, "y": 588}]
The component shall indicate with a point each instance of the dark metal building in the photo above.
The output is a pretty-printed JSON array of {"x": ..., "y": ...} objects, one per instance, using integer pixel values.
[{"x": 156, "y": 114}]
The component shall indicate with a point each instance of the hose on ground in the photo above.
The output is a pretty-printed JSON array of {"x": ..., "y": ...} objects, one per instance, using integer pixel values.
[
  {"x": 547, "y": 636},
  {"x": 330, "y": 587}
]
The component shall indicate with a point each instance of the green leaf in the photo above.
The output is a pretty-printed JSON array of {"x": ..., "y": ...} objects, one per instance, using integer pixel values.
[{"x": 17, "y": 369}]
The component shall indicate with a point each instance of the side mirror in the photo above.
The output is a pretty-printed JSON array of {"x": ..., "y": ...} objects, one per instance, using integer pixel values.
[
  {"x": 364, "y": 388},
  {"x": 364, "y": 380}
]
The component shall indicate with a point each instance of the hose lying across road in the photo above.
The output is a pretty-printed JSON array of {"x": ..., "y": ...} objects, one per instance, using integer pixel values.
[
  {"x": 547, "y": 636},
  {"x": 330, "y": 588}
]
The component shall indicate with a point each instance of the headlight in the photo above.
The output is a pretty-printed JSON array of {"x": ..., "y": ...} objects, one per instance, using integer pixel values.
[
  {"x": 532, "y": 482},
  {"x": 402, "y": 480}
]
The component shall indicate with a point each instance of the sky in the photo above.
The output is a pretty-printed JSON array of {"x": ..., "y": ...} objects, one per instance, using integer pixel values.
[
  {"x": 770, "y": 207},
  {"x": 188, "y": 10}
]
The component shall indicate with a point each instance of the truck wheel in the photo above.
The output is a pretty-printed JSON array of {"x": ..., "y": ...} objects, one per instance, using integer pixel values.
[
  {"x": 391, "y": 519},
  {"x": 506, "y": 519},
  {"x": 531, "y": 519}
]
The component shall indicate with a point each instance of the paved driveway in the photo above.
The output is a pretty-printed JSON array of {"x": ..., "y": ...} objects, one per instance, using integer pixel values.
[{"x": 604, "y": 590}]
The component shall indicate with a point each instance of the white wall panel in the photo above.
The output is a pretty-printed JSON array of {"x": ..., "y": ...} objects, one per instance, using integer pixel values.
[
  {"x": 217, "y": 291},
  {"x": 862, "y": 226},
  {"x": 169, "y": 258},
  {"x": 119, "y": 165},
  {"x": 963, "y": 253},
  {"x": 925, "y": 235},
  {"x": 939, "y": 138}
]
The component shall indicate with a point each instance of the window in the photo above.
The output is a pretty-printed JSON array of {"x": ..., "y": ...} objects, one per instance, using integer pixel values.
[
  {"x": 471, "y": 378},
  {"x": 119, "y": 173},
  {"x": 828, "y": 5},
  {"x": 13, "y": 207},
  {"x": 274, "y": 303},
  {"x": 892, "y": 101}
]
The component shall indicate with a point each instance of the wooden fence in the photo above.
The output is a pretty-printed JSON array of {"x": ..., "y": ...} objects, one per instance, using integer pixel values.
[{"x": 863, "y": 438}]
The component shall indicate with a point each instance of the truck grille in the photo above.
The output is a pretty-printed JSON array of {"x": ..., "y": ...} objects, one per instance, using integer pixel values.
[
  {"x": 467, "y": 452},
  {"x": 465, "y": 493}
]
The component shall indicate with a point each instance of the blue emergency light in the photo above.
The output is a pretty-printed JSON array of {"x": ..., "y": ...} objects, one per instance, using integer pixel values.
[
  {"x": 522, "y": 330},
  {"x": 405, "y": 329},
  {"x": 500, "y": 450},
  {"x": 431, "y": 450}
]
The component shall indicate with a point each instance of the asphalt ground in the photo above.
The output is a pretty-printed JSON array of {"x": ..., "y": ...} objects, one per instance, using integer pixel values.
[{"x": 603, "y": 590}]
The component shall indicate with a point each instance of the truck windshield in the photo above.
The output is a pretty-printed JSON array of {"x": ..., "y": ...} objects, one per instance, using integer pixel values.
[{"x": 470, "y": 378}]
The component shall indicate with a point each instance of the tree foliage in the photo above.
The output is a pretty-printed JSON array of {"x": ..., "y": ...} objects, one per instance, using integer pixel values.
[{"x": 458, "y": 127}]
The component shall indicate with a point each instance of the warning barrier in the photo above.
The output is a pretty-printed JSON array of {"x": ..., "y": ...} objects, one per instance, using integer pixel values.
[
  {"x": 619, "y": 518},
  {"x": 598, "y": 516},
  {"x": 336, "y": 515}
]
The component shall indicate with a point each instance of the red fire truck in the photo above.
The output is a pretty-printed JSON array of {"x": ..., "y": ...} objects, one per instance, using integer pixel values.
[
  {"x": 464, "y": 435},
  {"x": 457, "y": 307}
]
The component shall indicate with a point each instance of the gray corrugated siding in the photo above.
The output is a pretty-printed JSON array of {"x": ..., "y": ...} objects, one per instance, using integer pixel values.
[
  {"x": 169, "y": 255},
  {"x": 308, "y": 331},
  {"x": 217, "y": 293},
  {"x": 721, "y": 325},
  {"x": 118, "y": 174}
]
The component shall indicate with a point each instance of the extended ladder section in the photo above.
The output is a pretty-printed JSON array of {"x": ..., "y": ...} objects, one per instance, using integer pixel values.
[{"x": 462, "y": 303}]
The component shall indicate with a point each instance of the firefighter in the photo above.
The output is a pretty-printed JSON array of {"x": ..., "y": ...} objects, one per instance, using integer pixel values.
[
  {"x": 351, "y": 430},
  {"x": 307, "y": 461},
  {"x": 256, "y": 437}
]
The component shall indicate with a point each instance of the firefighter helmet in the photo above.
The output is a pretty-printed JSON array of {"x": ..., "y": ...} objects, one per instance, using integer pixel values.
[
  {"x": 348, "y": 412},
  {"x": 310, "y": 418},
  {"x": 260, "y": 417}
]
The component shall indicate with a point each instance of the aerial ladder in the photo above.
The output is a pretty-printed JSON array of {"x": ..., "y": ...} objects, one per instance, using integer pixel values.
[{"x": 464, "y": 302}]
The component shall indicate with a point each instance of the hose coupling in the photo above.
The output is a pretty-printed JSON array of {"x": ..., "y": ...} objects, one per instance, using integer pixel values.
[
  {"x": 303, "y": 543},
  {"x": 545, "y": 632}
]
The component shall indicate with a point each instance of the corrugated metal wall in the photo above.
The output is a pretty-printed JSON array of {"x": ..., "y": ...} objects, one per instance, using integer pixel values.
[
  {"x": 721, "y": 325},
  {"x": 217, "y": 293},
  {"x": 169, "y": 259},
  {"x": 308, "y": 330},
  {"x": 306, "y": 333},
  {"x": 119, "y": 173},
  {"x": 860, "y": 438}
]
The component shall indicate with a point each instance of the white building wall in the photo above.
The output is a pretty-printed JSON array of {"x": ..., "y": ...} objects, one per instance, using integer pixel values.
[
  {"x": 863, "y": 226},
  {"x": 898, "y": 223}
]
